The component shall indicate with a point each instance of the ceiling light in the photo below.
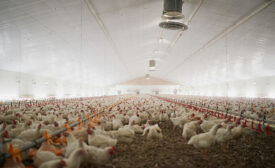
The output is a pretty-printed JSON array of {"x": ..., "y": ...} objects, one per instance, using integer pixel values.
[
  {"x": 147, "y": 76},
  {"x": 160, "y": 39}
]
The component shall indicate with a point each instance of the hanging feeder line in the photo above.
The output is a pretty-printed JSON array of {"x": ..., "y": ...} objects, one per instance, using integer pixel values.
[
  {"x": 270, "y": 127},
  {"x": 5, "y": 156}
]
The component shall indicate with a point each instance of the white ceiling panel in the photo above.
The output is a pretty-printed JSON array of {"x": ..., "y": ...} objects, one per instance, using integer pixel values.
[{"x": 111, "y": 43}]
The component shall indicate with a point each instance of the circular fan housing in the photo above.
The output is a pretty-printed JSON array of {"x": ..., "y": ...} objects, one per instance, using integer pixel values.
[
  {"x": 172, "y": 25},
  {"x": 172, "y": 15}
]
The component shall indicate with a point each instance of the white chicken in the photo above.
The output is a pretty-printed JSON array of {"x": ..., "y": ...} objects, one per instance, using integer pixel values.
[
  {"x": 144, "y": 117},
  {"x": 13, "y": 133},
  {"x": 179, "y": 121},
  {"x": 163, "y": 116},
  {"x": 81, "y": 133},
  {"x": 155, "y": 117},
  {"x": 136, "y": 119},
  {"x": 208, "y": 124},
  {"x": 44, "y": 156},
  {"x": 224, "y": 135},
  {"x": 136, "y": 128},
  {"x": 30, "y": 134},
  {"x": 204, "y": 140},
  {"x": 190, "y": 129},
  {"x": 153, "y": 132},
  {"x": 72, "y": 144},
  {"x": 100, "y": 140},
  {"x": 53, "y": 164},
  {"x": 123, "y": 135},
  {"x": 107, "y": 125},
  {"x": 117, "y": 124},
  {"x": 75, "y": 160},
  {"x": 240, "y": 131},
  {"x": 99, "y": 156}
]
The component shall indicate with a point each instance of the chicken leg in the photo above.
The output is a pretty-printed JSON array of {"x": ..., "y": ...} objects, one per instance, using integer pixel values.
[
  {"x": 174, "y": 127},
  {"x": 223, "y": 148},
  {"x": 203, "y": 152}
]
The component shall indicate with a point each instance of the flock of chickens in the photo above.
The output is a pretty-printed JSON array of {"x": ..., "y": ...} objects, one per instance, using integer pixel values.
[
  {"x": 255, "y": 108},
  {"x": 117, "y": 119}
]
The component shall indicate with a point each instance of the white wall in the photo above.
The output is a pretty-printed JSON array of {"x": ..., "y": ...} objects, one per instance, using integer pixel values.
[
  {"x": 147, "y": 89},
  {"x": 15, "y": 85},
  {"x": 259, "y": 87}
]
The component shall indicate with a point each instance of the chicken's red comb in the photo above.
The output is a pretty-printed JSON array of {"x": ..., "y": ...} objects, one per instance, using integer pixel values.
[
  {"x": 5, "y": 134},
  {"x": 29, "y": 123},
  {"x": 66, "y": 134},
  {"x": 89, "y": 131},
  {"x": 62, "y": 164},
  {"x": 113, "y": 148}
]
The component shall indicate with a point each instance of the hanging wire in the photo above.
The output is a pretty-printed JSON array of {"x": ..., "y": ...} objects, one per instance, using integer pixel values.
[
  {"x": 158, "y": 44},
  {"x": 20, "y": 64},
  {"x": 81, "y": 49},
  {"x": 226, "y": 68}
]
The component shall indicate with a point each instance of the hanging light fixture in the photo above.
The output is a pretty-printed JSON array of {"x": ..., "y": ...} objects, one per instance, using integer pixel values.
[
  {"x": 172, "y": 9},
  {"x": 172, "y": 15},
  {"x": 152, "y": 65},
  {"x": 147, "y": 76}
]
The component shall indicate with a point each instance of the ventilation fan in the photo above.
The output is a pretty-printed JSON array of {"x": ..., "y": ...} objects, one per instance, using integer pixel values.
[
  {"x": 152, "y": 65},
  {"x": 172, "y": 9},
  {"x": 172, "y": 25},
  {"x": 172, "y": 15}
]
